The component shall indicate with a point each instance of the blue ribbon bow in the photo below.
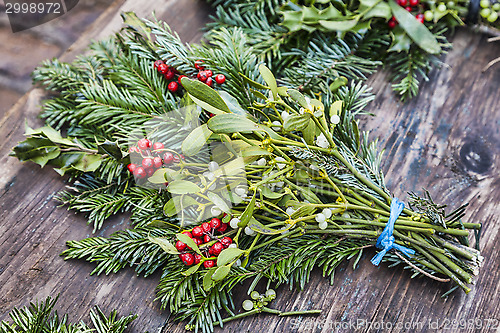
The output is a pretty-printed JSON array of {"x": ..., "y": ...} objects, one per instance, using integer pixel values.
[{"x": 385, "y": 241}]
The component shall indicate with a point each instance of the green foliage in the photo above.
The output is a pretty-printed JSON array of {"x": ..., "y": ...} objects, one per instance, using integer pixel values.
[{"x": 41, "y": 317}]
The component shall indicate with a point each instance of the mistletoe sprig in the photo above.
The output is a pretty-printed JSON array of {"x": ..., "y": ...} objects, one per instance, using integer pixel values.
[{"x": 270, "y": 181}]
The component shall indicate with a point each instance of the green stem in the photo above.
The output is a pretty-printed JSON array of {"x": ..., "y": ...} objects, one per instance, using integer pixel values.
[
  {"x": 238, "y": 316},
  {"x": 290, "y": 313}
]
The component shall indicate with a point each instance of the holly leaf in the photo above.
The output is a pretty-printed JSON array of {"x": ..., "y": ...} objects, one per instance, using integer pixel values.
[
  {"x": 110, "y": 148},
  {"x": 344, "y": 25},
  {"x": 417, "y": 31}
]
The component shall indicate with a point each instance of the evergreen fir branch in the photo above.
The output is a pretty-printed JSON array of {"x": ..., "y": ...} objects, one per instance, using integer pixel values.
[
  {"x": 230, "y": 54},
  {"x": 41, "y": 317},
  {"x": 408, "y": 68},
  {"x": 59, "y": 76},
  {"x": 132, "y": 248}
]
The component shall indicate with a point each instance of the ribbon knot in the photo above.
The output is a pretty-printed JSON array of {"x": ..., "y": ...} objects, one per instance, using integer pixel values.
[{"x": 386, "y": 240}]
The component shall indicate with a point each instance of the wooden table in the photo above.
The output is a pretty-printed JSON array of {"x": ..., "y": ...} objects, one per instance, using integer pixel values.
[{"x": 447, "y": 140}]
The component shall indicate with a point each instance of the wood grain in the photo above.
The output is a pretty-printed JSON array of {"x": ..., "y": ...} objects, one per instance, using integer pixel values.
[{"x": 446, "y": 140}]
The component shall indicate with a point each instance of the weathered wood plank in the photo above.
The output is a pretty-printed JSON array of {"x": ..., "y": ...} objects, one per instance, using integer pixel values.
[{"x": 429, "y": 142}]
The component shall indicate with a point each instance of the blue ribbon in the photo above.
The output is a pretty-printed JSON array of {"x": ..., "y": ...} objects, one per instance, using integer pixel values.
[{"x": 385, "y": 241}]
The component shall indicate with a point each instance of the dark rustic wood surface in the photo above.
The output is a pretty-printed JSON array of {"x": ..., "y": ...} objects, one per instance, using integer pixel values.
[{"x": 447, "y": 140}]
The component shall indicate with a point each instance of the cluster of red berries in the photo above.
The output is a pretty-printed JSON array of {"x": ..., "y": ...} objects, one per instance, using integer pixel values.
[
  {"x": 169, "y": 72},
  {"x": 154, "y": 156},
  {"x": 203, "y": 234},
  {"x": 410, "y": 5},
  {"x": 204, "y": 75},
  {"x": 207, "y": 76}
]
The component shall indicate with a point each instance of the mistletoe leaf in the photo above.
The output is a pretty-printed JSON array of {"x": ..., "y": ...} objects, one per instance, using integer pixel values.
[
  {"x": 417, "y": 31},
  {"x": 220, "y": 273},
  {"x": 189, "y": 242},
  {"x": 268, "y": 76},
  {"x": 219, "y": 202},
  {"x": 191, "y": 270},
  {"x": 231, "y": 123},
  {"x": 208, "y": 283},
  {"x": 193, "y": 143},
  {"x": 204, "y": 96},
  {"x": 182, "y": 187},
  {"x": 296, "y": 122},
  {"x": 298, "y": 97},
  {"x": 228, "y": 255},
  {"x": 164, "y": 244},
  {"x": 88, "y": 162},
  {"x": 178, "y": 203},
  {"x": 248, "y": 212}
]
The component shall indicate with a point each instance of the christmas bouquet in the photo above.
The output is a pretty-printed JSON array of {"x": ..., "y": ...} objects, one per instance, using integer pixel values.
[
  {"x": 405, "y": 36},
  {"x": 229, "y": 173}
]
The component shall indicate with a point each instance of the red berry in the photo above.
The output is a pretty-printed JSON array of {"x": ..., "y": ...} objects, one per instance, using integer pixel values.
[
  {"x": 215, "y": 223},
  {"x": 162, "y": 68},
  {"x": 188, "y": 233},
  {"x": 197, "y": 232},
  {"x": 173, "y": 86},
  {"x": 211, "y": 115},
  {"x": 414, "y": 3},
  {"x": 180, "y": 246},
  {"x": 169, "y": 74},
  {"x": 202, "y": 76},
  {"x": 220, "y": 78},
  {"x": 408, "y": 8},
  {"x": 168, "y": 157},
  {"x": 402, "y": 3},
  {"x": 222, "y": 228},
  {"x": 207, "y": 238},
  {"x": 131, "y": 167},
  {"x": 180, "y": 78},
  {"x": 420, "y": 18},
  {"x": 140, "y": 173},
  {"x": 198, "y": 241},
  {"x": 158, "y": 146},
  {"x": 209, "y": 73},
  {"x": 197, "y": 258},
  {"x": 150, "y": 172},
  {"x": 217, "y": 248},
  {"x": 187, "y": 259},
  {"x": 198, "y": 65},
  {"x": 226, "y": 241},
  {"x": 134, "y": 149},
  {"x": 210, "y": 82},
  {"x": 157, "y": 162},
  {"x": 147, "y": 162},
  {"x": 178, "y": 157},
  {"x": 206, "y": 227},
  {"x": 158, "y": 63},
  {"x": 144, "y": 144},
  {"x": 209, "y": 263}
]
